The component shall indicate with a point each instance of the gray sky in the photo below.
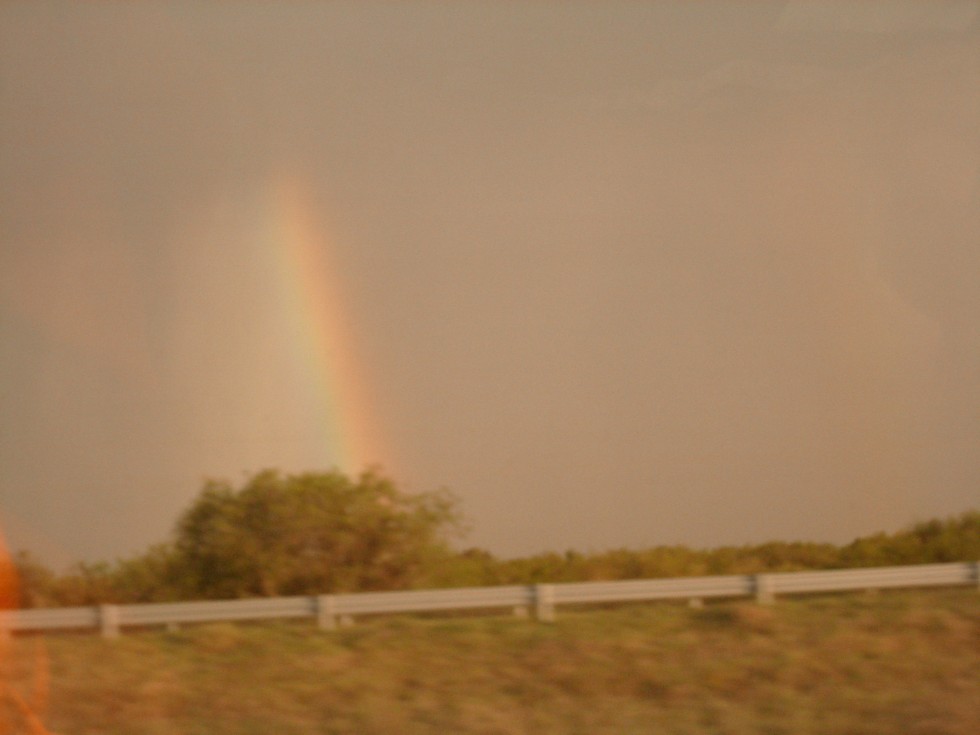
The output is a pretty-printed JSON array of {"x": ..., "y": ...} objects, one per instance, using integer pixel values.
[{"x": 618, "y": 273}]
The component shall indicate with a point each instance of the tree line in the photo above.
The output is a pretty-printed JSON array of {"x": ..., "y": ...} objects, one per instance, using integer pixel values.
[{"x": 322, "y": 532}]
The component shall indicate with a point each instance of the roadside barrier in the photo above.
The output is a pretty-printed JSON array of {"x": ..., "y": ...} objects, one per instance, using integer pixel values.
[{"x": 332, "y": 610}]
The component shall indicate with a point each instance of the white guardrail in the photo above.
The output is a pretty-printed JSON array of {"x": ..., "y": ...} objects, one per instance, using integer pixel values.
[{"x": 331, "y": 610}]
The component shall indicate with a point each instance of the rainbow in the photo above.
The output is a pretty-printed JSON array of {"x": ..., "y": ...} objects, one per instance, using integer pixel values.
[{"x": 324, "y": 343}]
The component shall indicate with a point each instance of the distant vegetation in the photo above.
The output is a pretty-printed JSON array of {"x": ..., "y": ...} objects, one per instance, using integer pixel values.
[{"x": 325, "y": 532}]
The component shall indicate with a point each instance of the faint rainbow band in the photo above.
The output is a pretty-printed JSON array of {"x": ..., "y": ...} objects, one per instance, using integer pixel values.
[{"x": 325, "y": 345}]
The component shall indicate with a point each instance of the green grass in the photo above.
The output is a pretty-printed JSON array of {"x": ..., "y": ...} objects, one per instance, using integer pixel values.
[{"x": 895, "y": 662}]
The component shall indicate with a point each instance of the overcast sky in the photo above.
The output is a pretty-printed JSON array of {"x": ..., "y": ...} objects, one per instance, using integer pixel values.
[{"x": 617, "y": 273}]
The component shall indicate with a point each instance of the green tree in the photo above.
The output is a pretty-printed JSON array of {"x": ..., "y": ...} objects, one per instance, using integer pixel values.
[
  {"x": 86, "y": 583},
  {"x": 309, "y": 533},
  {"x": 36, "y": 581},
  {"x": 156, "y": 575},
  {"x": 952, "y": 539}
]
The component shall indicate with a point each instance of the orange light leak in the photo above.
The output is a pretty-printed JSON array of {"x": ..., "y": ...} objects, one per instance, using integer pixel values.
[
  {"x": 17, "y": 714},
  {"x": 9, "y": 597}
]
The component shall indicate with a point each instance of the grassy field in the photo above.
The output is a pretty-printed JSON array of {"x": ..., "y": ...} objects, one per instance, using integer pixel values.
[{"x": 895, "y": 662}]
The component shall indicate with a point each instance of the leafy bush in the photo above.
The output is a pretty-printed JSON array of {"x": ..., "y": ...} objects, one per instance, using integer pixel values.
[{"x": 314, "y": 532}]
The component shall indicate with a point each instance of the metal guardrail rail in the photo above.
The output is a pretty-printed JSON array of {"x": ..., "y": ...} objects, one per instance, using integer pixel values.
[{"x": 331, "y": 610}]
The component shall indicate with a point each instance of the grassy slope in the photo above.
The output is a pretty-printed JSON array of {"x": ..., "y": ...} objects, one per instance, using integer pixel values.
[{"x": 894, "y": 662}]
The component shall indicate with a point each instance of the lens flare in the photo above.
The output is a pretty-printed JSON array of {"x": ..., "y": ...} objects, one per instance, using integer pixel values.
[
  {"x": 9, "y": 592},
  {"x": 17, "y": 713}
]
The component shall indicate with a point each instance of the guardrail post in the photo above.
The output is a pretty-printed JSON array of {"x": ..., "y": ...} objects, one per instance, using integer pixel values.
[
  {"x": 976, "y": 574},
  {"x": 326, "y": 612},
  {"x": 544, "y": 603},
  {"x": 763, "y": 588},
  {"x": 109, "y": 621}
]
